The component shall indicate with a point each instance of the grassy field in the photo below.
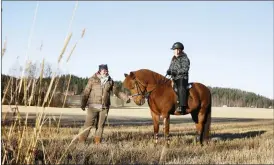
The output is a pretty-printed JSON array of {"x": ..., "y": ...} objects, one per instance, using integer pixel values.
[{"x": 239, "y": 136}]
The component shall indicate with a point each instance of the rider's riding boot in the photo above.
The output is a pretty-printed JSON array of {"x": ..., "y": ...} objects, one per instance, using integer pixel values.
[{"x": 181, "y": 87}]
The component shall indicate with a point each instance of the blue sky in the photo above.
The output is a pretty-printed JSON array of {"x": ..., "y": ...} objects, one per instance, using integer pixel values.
[{"x": 229, "y": 44}]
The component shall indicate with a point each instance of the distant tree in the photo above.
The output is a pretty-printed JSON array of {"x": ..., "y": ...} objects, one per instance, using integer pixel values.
[
  {"x": 47, "y": 70},
  {"x": 220, "y": 96}
]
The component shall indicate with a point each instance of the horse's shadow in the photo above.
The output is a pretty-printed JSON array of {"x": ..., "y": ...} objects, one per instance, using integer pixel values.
[
  {"x": 232, "y": 136},
  {"x": 229, "y": 136},
  {"x": 214, "y": 137}
]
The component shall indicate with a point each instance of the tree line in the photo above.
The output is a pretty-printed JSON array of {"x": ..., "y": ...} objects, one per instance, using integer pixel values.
[{"x": 220, "y": 96}]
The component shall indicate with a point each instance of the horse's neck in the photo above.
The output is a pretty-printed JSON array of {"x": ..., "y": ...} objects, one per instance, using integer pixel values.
[
  {"x": 153, "y": 80},
  {"x": 158, "y": 83}
]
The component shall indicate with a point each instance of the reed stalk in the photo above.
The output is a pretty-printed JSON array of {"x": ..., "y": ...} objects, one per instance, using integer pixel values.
[
  {"x": 66, "y": 91},
  {"x": 25, "y": 91},
  {"x": 40, "y": 81},
  {"x": 40, "y": 120},
  {"x": 25, "y": 84},
  {"x": 49, "y": 88},
  {"x": 11, "y": 91},
  {"x": 21, "y": 139},
  {"x": 32, "y": 91},
  {"x": 5, "y": 93},
  {"x": 74, "y": 139},
  {"x": 58, "y": 124},
  {"x": 29, "y": 43},
  {"x": 4, "y": 47},
  {"x": 44, "y": 151},
  {"x": 54, "y": 74},
  {"x": 37, "y": 131},
  {"x": 64, "y": 48},
  {"x": 55, "y": 87},
  {"x": 67, "y": 39},
  {"x": 82, "y": 35}
]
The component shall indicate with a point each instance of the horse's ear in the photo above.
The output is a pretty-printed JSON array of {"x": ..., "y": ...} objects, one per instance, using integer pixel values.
[
  {"x": 132, "y": 75},
  {"x": 125, "y": 74}
]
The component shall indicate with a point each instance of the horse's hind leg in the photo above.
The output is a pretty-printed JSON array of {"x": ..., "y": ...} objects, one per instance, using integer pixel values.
[
  {"x": 155, "y": 119},
  {"x": 200, "y": 120},
  {"x": 207, "y": 127}
]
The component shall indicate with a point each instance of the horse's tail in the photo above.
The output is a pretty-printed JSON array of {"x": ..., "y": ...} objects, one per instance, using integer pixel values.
[{"x": 208, "y": 121}]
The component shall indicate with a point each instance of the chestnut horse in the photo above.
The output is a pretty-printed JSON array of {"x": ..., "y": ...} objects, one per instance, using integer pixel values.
[{"x": 162, "y": 101}]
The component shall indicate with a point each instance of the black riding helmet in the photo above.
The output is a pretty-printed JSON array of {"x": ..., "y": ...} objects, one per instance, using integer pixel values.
[{"x": 177, "y": 45}]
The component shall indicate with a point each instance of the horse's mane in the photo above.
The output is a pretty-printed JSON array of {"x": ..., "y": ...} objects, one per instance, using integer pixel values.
[{"x": 152, "y": 77}]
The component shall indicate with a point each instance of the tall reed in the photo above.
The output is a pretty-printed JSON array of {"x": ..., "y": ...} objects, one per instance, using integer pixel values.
[
  {"x": 4, "y": 47},
  {"x": 82, "y": 35},
  {"x": 6, "y": 90},
  {"x": 29, "y": 44},
  {"x": 40, "y": 82},
  {"x": 32, "y": 139},
  {"x": 63, "y": 50}
]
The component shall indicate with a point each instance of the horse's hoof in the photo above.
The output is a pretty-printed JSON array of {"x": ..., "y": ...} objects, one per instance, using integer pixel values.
[
  {"x": 197, "y": 138},
  {"x": 155, "y": 142},
  {"x": 197, "y": 142}
]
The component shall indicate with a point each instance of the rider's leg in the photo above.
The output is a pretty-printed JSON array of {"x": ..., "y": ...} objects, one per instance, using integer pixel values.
[{"x": 182, "y": 94}]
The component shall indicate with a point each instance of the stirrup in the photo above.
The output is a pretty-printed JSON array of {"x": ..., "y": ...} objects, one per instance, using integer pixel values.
[{"x": 181, "y": 110}]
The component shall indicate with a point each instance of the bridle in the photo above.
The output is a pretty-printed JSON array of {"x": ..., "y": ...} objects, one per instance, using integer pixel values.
[{"x": 144, "y": 93}]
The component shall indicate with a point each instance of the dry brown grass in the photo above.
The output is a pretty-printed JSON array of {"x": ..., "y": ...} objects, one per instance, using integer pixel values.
[{"x": 241, "y": 141}]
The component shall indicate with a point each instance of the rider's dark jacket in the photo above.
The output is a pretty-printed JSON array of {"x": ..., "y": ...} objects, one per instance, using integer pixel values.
[{"x": 181, "y": 65}]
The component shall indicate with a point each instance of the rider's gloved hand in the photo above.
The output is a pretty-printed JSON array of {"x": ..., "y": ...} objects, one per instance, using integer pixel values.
[
  {"x": 174, "y": 73},
  {"x": 168, "y": 72}
]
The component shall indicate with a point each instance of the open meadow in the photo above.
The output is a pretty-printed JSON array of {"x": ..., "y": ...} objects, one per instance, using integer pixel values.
[{"x": 239, "y": 136}]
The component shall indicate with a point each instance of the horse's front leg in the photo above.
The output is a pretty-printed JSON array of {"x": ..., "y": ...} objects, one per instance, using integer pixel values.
[
  {"x": 155, "y": 119},
  {"x": 166, "y": 128}
]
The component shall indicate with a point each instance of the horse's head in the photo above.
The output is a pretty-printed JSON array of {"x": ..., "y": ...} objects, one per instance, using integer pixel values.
[{"x": 136, "y": 88}]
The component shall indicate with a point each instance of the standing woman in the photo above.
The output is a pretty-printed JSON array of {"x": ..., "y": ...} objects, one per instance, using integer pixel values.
[{"x": 97, "y": 96}]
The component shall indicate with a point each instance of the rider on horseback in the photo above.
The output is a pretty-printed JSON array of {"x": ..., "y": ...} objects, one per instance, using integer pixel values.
[{"x": 178, "y": 70}]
